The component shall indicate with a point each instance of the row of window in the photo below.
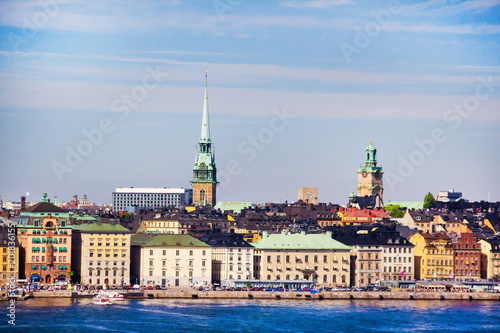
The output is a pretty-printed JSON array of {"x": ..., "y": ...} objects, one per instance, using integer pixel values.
[
  {"x": 178, "y": 263},
  {"x": 36, "y": 223},
  {"x": 177, "y": 273},
  {"x": 61, "y": 249},
  {"x": 106, "y": 263},
  {"x": 48, "y": 267},
  {"x": 107, "y": 241},
  {"x": 397, "y": 269},
  {"x": 437, "y": 262},
  {"x": 306, "y": 259},
  {"x": 116, "y": 272},
  {"x": 177, "y": 252},
  {"x": 37, "y": 258},
  {"x": 401, "y": 259},
  {"x": 107, "y": 253},
  {"x": 48, "y": 240}
]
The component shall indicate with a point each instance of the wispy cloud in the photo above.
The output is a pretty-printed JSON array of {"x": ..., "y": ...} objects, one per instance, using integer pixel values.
[{"x": 317, "y": 4}]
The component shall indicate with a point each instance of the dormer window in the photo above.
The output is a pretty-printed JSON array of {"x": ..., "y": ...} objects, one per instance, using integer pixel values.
[
  {"x": 63, "y": 223},
  {"x": 37, "y": 222}
]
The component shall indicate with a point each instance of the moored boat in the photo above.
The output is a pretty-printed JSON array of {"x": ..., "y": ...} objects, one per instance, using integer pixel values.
[{"x": 101, "y": 300}]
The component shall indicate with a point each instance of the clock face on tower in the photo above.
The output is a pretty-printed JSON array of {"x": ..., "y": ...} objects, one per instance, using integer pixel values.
[
  {"x": 202, "y": 165},
  {"x": 364, "y": 174}
]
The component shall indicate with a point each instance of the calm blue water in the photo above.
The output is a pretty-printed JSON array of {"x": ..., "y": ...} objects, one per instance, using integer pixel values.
[{"x": 66, "y": 315}]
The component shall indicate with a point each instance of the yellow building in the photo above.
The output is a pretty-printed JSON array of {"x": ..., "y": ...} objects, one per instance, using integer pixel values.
[
  {"x": 101, "y": 254},
  {"x": 9, "y": 252},
  {"x": 490, "y": 258},
  {"x": 433, "y": 256}
]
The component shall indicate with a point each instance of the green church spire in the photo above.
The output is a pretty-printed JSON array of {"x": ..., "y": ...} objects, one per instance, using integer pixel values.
[{"x": 205, "y": 124}]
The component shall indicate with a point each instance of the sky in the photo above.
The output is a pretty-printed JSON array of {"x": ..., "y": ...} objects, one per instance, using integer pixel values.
[{"x": 96, "y": 95}]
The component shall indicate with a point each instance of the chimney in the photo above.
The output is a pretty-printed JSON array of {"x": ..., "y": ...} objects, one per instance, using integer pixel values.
[{"x": 23, "y": 202}]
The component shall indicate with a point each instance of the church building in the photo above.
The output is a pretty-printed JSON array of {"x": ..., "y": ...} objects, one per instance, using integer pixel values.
[{"x": 204, "y": 171}]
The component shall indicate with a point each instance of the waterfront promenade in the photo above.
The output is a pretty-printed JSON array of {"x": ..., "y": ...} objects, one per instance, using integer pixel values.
[{"x": 361, "y": 295}]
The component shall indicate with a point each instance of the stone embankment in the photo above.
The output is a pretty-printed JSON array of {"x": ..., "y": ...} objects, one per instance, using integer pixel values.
[{"x": 195, "y": 294}]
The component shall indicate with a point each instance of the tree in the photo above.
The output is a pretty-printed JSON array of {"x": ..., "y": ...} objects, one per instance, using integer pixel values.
[
  {"x": 429, "y": 201},
  {"x": 396, "y": 211}
]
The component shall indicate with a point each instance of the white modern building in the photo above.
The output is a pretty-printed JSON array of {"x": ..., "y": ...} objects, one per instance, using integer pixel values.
[{"x": 134, "y": 198}]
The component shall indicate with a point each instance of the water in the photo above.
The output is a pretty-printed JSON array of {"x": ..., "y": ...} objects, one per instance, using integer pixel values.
[{"x": 170, "y": 315}]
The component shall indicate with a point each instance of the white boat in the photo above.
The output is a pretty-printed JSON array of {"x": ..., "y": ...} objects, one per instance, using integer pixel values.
[
  {"x": 101, "y": 300},
  {"x": 112, "y": 295}
]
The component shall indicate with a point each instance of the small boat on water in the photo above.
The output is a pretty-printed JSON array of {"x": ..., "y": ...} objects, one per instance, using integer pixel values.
[
  {"x": 112, "y": 295},
  {"x": 101, "y": 300}
]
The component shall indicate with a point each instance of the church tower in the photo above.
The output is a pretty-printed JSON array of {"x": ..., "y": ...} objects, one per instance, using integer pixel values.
[
  {"x": 204, "y": 171},
  {"x": 370, "y": 175}
]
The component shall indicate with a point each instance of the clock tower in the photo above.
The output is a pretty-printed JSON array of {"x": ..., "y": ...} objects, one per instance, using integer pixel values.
[
  {"x": 370, "y": 175},
  {"x": 204, "y": 171}
]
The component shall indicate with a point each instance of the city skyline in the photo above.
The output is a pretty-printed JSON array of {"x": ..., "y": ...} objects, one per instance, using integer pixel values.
[{"x": 296, "y": 91}]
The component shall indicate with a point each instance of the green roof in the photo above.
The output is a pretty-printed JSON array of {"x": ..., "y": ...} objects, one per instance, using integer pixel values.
[
  {"x": 166, "y": 240},
  {"x": 101, "y": 228},
  {"x": 236, "y": 207},
  {"x": 299, "y": 242}
]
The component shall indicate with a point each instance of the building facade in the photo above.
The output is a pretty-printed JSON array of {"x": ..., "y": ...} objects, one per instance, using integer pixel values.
[
  {"x": 308, "y": 195},
  {"x": 170, "y": 260},
  {"x": 205, "y": 172},
  {"x": 490, "y": 258},
  {"x": 9, "y": 252},
  {"x": 433, "y": 256},
  {"x": 302, "y": 257},
  {"x": 232, "y": 257},
  {"x": 467, "y": 253},
  {"x": 370, "y": 175},
  {"x": 126, "y": 198},
  {"x": 44, "y": 234},
  {"x": 101, "y": 254}
]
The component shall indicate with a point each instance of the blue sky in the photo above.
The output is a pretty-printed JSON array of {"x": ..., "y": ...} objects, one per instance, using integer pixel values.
[{"x": 421, "y": 77}]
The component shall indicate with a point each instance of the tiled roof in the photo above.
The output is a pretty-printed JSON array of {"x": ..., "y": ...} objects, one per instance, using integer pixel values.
[{"x": 45, "y": 207}]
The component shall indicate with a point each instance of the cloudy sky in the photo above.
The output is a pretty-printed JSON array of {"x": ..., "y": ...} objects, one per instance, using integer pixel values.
[{"x": 96, "y": 95}]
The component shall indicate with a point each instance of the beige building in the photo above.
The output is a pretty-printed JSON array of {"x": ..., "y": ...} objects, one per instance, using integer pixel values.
[
  {"x": 490, "y": 258},
  {"x": 101, "y": 254},
  {"x": 170, "y": 260},
  {"x": 308, "y": 195},
  {"x": 296, "y": 257}
]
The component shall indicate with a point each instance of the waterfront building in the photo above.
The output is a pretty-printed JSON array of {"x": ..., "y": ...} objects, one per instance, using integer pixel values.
[
  {"x": 127, "y": 198},
  {"x": 433, "y": 256},
  {"x": 370, "y": 176},
  {"x": 467, "y": 253},
  {"x": 9, "y": 252},
  {"x": 490, "y": 258},
  {"x": 204, "y": 171},
  {"x": 397, "y": 257},
  {"x": 170, "y": 260},
  {"x": 44, "y": 234},
  {"x": 308, "y": 195},
  {"x": 366, "y": 257},
  {"x": 232, "y": 257},
  {"x": 101, "y": 254},
  {"x": 301, "y": 256}
]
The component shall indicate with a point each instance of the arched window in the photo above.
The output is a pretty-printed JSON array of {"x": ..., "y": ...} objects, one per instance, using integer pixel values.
[
  {"x": 288, "y": 277},
  {"x": 334, "y": 279},
  {"x": 325, "y": 279},
  {"x": 269, "y": 277},
  {"x": 296, "y": 277},
  {"x": 278, "y": 277},
  {"x": 202, "y": 195}
]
